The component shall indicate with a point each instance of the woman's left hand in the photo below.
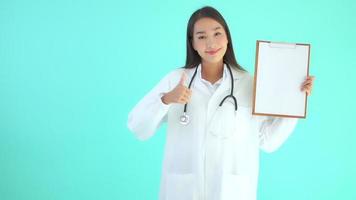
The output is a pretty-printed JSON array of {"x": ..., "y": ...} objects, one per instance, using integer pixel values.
[{"x": 307, "y": 85}]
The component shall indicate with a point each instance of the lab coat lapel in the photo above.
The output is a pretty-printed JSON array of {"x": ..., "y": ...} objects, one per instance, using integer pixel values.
[{"x": 223, "y": 90}]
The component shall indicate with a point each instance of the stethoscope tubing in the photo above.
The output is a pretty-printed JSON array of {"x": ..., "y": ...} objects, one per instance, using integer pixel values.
[{"x": 184, "y": 119}]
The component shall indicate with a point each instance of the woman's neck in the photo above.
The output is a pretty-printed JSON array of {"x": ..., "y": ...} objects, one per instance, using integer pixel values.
[{"x": 212, "y": 72}]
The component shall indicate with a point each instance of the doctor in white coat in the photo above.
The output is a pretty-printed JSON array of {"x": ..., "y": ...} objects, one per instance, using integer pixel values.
[{"x": 216, "y": 155}]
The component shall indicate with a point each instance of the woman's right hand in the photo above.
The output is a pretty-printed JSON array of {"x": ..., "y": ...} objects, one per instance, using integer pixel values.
[{"x": 180, "y": 94}]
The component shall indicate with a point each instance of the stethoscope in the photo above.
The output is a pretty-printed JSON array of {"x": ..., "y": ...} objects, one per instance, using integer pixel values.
[{"x": 185, "y": 119}]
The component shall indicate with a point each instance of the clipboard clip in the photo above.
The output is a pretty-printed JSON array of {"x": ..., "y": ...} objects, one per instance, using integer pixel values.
[{"x": 283, "y": 45}]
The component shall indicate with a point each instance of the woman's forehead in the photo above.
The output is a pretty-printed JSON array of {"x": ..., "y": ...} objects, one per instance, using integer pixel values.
[{"x": 205, "y": 24}]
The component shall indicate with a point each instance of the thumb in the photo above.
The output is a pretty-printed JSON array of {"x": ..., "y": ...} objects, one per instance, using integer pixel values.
[{"x": 183, "y": 78}]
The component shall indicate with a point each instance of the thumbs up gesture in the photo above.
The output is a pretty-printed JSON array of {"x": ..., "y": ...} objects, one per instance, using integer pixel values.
[{"x": 180, "y": 94}]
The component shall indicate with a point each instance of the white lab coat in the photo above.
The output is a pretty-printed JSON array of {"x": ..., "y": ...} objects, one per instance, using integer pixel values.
[{"x": 215, "y": 156}]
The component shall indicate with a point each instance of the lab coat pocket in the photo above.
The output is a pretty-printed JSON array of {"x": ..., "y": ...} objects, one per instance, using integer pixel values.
[
  {"x": 223, "y": 121},
  {"x": 180, "y": 186},
  {"x": 235, "y": 186}
]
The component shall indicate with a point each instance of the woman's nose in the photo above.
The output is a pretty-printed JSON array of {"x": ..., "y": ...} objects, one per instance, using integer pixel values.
[{"x": 209, "y": 43}]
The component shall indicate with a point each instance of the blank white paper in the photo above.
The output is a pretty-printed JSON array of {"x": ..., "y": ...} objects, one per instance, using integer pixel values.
[{"x": 281, "y": 69}]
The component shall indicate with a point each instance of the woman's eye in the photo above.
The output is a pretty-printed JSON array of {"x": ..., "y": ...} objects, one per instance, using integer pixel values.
[
  {"x": 217, "y": 33},
  {"x": 201, "y": 37}
]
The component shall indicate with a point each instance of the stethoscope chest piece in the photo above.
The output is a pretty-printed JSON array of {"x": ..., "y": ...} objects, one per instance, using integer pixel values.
[{"x": 184, "y": 119}]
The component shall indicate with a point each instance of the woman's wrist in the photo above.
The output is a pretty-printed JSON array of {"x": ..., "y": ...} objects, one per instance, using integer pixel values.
[{"x": 165, "y": 99}]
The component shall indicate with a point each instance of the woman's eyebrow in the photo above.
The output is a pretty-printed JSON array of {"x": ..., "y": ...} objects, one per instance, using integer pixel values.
[{"x": 214, "y": 29}]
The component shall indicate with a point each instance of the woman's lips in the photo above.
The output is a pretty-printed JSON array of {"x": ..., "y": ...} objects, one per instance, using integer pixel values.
[{"x": 212, "y": 52}]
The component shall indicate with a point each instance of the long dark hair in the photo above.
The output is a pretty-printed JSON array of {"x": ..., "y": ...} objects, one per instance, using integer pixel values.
[{"x": 193, "y": 58}]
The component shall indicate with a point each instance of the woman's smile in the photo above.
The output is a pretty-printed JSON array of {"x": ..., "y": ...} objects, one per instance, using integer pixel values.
[{"x": 212, "y": 52}]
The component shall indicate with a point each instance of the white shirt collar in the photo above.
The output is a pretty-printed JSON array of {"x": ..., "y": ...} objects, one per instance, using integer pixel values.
[
  {"x": 212, "y": 87},
  {"x": 219, "y": 81}
]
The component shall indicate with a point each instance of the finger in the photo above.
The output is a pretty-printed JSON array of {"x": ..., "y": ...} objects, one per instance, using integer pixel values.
[
  {"x": 305, "y": 88},
  {"x": 183, "y": 100},
  {"x": 308, "y": 80},
  {"x": 305, "y": 82},
  {"x": 187, "y": 96},
  {"x": 183, "y": 78},
  {"x": 187, "y": 91},
  {"x": 308, "y": 92},
  {"x": 307, "y": 85},
  {"x": 179, "y": 100}
]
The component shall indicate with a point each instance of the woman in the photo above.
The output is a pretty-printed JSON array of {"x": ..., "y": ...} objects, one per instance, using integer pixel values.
[{"x": 212, "y": 151}]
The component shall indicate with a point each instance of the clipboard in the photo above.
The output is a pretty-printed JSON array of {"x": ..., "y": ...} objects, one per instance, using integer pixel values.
[{"x": 280, "y": 70}]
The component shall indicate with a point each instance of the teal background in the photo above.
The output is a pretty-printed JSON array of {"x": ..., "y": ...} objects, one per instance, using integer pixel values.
[{"x": 70, "y": 72}]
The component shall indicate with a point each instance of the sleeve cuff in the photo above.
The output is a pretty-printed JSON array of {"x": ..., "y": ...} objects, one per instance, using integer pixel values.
[{"x": 165, "y": 106}]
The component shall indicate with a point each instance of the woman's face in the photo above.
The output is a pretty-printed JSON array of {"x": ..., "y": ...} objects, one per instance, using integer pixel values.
[{"x": 209, "y": 40}]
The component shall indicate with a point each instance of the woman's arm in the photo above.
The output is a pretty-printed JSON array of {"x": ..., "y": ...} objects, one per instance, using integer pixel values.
[
  {"x": 274, "y": 131},
  {"x": 149, "y": 113}
]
